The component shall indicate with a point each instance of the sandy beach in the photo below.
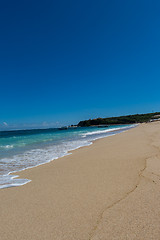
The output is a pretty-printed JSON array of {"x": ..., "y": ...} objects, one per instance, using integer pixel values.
[{"x": 109, "y": 190}]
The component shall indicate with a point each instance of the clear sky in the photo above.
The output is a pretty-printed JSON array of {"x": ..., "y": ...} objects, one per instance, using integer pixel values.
[{"x": 65, "y": 61}]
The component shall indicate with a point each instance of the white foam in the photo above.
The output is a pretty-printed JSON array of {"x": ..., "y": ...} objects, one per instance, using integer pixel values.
[
  {"x": 103, "y": 131},
  {"x": 6, "y": 146}
]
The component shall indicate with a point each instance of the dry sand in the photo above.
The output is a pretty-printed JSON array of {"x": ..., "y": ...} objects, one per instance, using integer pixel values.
[{"x": 109, "y": 190}]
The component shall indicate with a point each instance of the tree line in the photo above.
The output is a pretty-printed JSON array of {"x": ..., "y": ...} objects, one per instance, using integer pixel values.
[{"x": 129, "y": 119}]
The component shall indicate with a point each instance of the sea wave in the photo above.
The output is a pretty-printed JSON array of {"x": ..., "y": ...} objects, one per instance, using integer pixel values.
[
  {"x": 7, "y": 146},
  {"x": 103, "y": 131}
]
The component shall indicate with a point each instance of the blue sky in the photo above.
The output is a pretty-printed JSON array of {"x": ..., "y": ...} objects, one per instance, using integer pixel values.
[{"x": 64, "y": 61}]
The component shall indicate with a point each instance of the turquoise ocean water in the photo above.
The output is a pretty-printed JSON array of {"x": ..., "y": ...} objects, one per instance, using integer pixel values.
[{"x": 24, "y": 149}]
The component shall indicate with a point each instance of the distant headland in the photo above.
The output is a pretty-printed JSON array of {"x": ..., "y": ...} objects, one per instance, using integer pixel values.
[{"x": 129, "y": 119}]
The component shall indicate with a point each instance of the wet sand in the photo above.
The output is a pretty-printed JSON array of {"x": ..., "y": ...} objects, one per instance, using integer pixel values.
[{"x": 106, "y": 191}]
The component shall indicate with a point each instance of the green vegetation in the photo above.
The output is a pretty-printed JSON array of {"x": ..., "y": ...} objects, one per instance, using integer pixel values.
[{"x": 129, "y": 119}]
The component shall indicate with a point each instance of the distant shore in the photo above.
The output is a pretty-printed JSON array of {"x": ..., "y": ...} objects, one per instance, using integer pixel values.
[
  {"x": 127, "y": 119},
  {"x": 108, "y": 190}
]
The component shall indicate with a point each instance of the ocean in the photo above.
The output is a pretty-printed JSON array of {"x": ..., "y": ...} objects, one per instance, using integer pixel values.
[{"x": 24, "y": 149}]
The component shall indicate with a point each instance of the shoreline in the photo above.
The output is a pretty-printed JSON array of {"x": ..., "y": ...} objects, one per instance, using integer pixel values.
[
  {"x": 14, "y": 174},
  {"x": 108, "y": 190}
]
